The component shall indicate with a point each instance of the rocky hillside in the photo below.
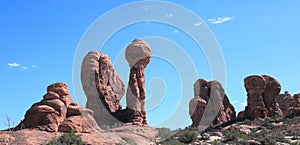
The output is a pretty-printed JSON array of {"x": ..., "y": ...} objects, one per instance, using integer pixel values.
[
  {"x": 267, "y": 131},
  {"x": 121, "y": 135}
]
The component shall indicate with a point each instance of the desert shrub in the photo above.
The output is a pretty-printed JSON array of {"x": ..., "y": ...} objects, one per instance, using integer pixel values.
[
  {"x": 268, "y": 125},
  {"x": 215, "y": 142},
  {"x": 164, "y": 133},
  {"x": 247, "y": 122},
  {"x": 172, "y": 142},
  {"x": 67, "y": 139},
  {"x": 124, "y": 143},
  {"x": 269, "y": 137},
  {"x": 187, "y": 136},
  {"x": 259, "y": 134},
  {"x": 267, "y": 141},
  {"x": 231, "y": 135},
  {"x": 105, "y": 127},
  {"x": 279, "y": 137}
]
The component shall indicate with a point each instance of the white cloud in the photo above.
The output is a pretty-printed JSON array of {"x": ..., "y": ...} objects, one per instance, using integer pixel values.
[
  {"x": 176, "y": 31},
  {"x": 197, "y": 24},
  {"x": 147, "y": 7},
  {"x": 244, "y": 104},
  {"x": 14, "y": 64},
  {"x": 219, "y": 20},
  {"x": 169, "y": 15},
  {"x": 17, "y": 65},
  {"x": 235, "y": 101}
]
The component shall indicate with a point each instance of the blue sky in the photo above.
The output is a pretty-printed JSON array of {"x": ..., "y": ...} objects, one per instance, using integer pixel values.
[{"x": 39, "y": 41}]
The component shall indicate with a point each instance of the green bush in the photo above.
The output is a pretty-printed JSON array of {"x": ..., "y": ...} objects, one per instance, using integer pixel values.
[
  {"x": 165, "y": 133},
  {"x": 187, "y": 136},
  {"x": 268, "y": 125},
  {"x": 172, "y": 142},
  {"x": 248, "y": 122},
  {"x": 233, "y": 135},
  {"x": 67, "y": 139},
  {"x": 124, "y": 143}
]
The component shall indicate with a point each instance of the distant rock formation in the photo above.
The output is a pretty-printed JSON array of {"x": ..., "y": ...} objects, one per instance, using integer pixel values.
[
  {"x": 262, "y": 92},
  {"x": 203, "y": 91},
  {"x": 57, "y": 112},
  {"x": 290, "y": 105},
  {"x": 104, "y": 87}
]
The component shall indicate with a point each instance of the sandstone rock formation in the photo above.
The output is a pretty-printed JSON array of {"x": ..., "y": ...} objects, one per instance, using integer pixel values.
[
  {"x": 290, "y": 105},
  {"x": 138, "y": 55},
  {"x": 261, "y": 92},
  {"x": 210, "y": 92},
  {"x": 102, "y": 85},
  {"x": 57, "y": 112}
]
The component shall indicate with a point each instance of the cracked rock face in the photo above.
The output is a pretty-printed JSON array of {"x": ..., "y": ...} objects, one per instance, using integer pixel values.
[
  {"x": 262, "y": 92},
  {"x": 138, "y": 55},
  {"x": 210, "y": 92},
  {"x": 57, "y": 112},
  {"x": 102, "y": 85}
]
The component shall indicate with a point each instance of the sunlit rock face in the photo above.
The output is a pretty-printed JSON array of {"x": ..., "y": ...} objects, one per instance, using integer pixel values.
[
  {"x": 104, "y": 88},
  {"x": 57, "y": 112},
  {"x": 261, "y": 94},
  {"x": 138, "y": 55},
  {"x": 210, "y": 92},
  {"x": 102, "y": 85}
]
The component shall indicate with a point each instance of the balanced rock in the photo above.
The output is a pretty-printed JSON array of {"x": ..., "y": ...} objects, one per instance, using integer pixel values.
[
  {"x": 102, "y": 85},
  {"x": 210, "y": 97},
  {"x": 138, "y": 55},
  {"x": 53, "y": 113},
  {"x": 262, "y": 92}
]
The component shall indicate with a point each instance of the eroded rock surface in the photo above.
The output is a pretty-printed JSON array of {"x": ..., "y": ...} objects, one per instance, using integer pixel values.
[
  {"x": 138, "y": 55},
  {"x": 290, "y": 105},
  {"x": 261, "y": 92},
  {"x": 210, "y": 97},
  {"x": 122, "y": 135},
  {"x": 102, "y": 85},
  {"x": 57, "y": 112}
]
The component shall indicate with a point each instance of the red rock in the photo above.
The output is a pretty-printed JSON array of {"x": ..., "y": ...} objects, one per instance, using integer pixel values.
[
  {"x": 62, "y": 90},
  {"x": 196, "y": 110},
  {"x": 57, "y": 112},
  {"x": 290, "y": 105},
  {"x": 79, "y": 124},
  {"x": 74, "y": 110},
  {"x": 102, "y": 86},
  {"x": 138, "y": 55},
  {"x": 210, "y": 97},
  {"x": 261, "y": 92},
  {"x": 241, "y": 115},
  {"x": 272, "y": 90}
]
